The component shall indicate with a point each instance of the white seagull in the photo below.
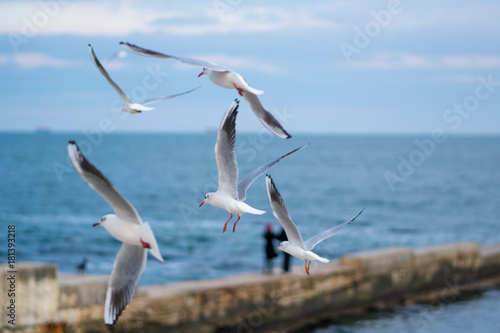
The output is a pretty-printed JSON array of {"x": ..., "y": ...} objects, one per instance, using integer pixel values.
[
  {"x": 127, "y": 227},
  {"x": 226, "y": 78},
  {"x": 128, "y": 105},
  {"x": 230, "y": 194},
  {"x": 295, "y": 246}
]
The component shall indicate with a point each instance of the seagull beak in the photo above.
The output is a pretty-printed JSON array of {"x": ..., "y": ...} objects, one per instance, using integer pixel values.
[
  {"x": 201, "y": 73},
  {"x": 277, "y": 249},
  {"x": 202, "y": 203},
  {"x": 96, "y": 224}
]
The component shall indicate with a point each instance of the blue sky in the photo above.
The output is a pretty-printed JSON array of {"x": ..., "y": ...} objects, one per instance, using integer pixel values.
[{"x": 395, "y": 66}]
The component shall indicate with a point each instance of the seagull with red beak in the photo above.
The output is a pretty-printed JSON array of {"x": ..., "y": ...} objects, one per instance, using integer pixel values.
[
  {"x": 225, "y": 78},
  {"x": 127, "y": 227},
  {"x": 231, "y": 194}
]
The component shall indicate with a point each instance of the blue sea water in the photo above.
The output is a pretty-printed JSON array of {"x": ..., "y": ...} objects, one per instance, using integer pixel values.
[{"x": 416, "y": 192}]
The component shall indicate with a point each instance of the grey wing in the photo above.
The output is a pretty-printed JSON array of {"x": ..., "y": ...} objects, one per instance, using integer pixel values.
[
  {"x": 186, "y": 60},
  {"x": 252, "y": 176},
  {"x": 153, "y": 100},
  {"x": 224, "y": 152},
  {"x": 128, "y": 267},
  {"x": 280, "y": 211},
  {"x": 265, "y": 117},
  {"x": 101, "y": 69},
  {"x": 313, "y": 241},
  {"x": 102, "y": 185}
]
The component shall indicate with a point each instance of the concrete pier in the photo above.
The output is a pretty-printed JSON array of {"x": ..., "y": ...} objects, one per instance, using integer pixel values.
[{"x": 50, "y": 302}]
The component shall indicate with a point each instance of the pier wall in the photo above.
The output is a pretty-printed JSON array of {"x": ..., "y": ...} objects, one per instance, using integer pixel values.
[{"x": 50, "y": 302}]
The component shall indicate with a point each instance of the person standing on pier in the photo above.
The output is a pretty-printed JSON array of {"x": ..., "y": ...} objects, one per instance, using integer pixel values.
[
  {"x": 269, "y": 249},
  {"x": 286, "y": 260}
]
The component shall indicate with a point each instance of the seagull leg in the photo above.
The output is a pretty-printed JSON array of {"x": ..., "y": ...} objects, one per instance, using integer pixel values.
[
  {"x": 145, "y": 245},
  {"x": 225, "y": 225},
  {"x": 309, "y": 265},
  {"x": 234, "y": 226},
  {"x": 240, "y": 91}
]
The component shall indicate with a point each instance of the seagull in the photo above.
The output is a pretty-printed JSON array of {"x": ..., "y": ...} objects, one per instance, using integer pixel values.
[
  {"x": 295, "y": 246},
  {"x": 230, "y": 195},
  {"x": 128, "y": 105},
  {"x": 226, "y": 78},
  {"x": 127, "y": 227}
]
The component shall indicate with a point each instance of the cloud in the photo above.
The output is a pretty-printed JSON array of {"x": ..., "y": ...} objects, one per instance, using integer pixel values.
[
  {"x": 85, "y": 18},
  {"x": 27, "y": 60},
  {"x": 396, "y": 61},
  {"x": 4, "y": 60}
]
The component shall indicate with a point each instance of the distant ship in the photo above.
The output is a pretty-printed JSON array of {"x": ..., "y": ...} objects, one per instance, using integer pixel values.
[{"x": 42, "y": 129}]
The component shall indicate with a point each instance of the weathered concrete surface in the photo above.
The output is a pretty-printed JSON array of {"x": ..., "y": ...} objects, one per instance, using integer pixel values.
[
  {"x": 35, "y": 292},
  {"x": 263, "y": 303}
]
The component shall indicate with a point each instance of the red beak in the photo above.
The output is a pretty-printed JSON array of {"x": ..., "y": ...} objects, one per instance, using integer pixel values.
[
  {"x": 202, "y": 203},
  {"x": 201, "y": 73},
  {"x": 277, "y": 249},
  {"x": 96, "y": 224}
]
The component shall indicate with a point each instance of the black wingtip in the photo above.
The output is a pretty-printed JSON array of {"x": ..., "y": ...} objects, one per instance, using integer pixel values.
[
  {"x": 89, "y": 45},
  {"x": 72, "y": 142},
  {"x": 273, "y": 187},
  {"x": 122, "y": 43}
]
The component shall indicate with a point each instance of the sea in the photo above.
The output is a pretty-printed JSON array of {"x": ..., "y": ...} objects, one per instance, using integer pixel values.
[{"x": 416, "y": 191}]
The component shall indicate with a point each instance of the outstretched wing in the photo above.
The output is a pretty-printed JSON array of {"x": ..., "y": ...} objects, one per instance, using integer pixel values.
[
  {"x": 313, "y": 241},
  {"x": 153, "y": 100},
  {"x": 252, "y": 176},
  {"x": 102, "y": 185},
  {"x": 225, "y": 155},
  {"x": 186, "y": 60},
  {"x": 281, "y": 213},
  {"x": 128, "y": 267},
  {"x": 265, "y": 117},
  {"x": 101, "y": 69}
]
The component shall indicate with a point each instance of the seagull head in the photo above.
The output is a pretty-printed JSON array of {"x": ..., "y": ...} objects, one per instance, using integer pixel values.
[
  {"x": 205, "y": 71},
  {"x": 105, "y": 220},
  {"x": 208, "y": 198},
  {"x": 282, "y": 247}
]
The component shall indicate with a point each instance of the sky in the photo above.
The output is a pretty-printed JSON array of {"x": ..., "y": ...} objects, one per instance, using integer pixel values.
[{"x": 396, "y": 66}]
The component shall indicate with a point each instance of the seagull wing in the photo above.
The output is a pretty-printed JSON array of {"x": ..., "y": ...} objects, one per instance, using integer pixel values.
[
  {"x": 225, "y": 155},
  {"x": 153, "y": 100},
  {"x": 102, "y": 185},
  {"x": 281, "y": 213},
  {"x": 265, "y": 117},
  {"x": 101, "y": 69},
  {"x": 252, "y": 176},
  {"x": 313, "y": 241},
  {"x": 127, "y": 270},
  {"x": 186, "y": 60}
]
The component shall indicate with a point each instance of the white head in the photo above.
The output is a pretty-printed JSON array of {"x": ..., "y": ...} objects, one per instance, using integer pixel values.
[
  {"x": 106, "y": 221},
  {"x": 283, "y": 246},
  {"x": 208, "y": 198},
  {"x": 205, "y": 72}
]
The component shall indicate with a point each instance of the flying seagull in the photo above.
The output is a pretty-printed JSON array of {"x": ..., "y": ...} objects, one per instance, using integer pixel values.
[
  {"x": 127, "y": 227},
  {"x": 226, "y": 78},
  {"x": 231, "y": 194},
  {"x": 128, "y": 105},
  {"x": 295, "y": 246}
]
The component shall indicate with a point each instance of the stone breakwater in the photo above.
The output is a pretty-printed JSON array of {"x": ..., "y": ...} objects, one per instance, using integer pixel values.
[{"x": 50, "y": 302}]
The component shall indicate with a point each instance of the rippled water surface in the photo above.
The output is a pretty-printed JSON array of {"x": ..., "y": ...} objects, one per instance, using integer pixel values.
[{"x": 415, "y": 192}]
